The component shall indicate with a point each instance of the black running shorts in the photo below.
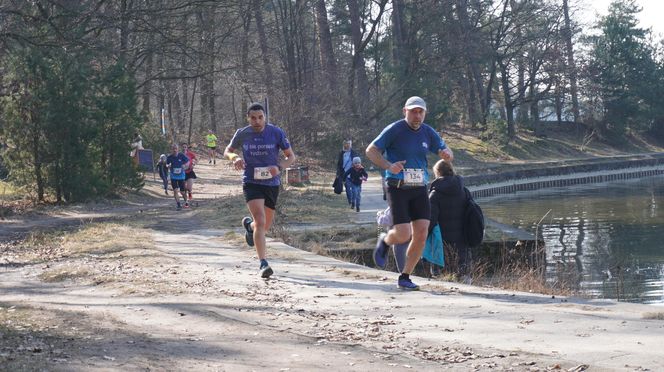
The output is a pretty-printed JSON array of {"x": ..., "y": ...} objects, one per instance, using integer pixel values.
[
  {"x": 178, "y": 184},
  {"x": 269, "y": 193},
  {"x": 189, "y": 175},
  {"x": 408, "y": 204}
]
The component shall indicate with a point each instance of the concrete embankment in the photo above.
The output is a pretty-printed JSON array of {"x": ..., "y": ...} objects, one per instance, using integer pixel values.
[{"x": 535, "y": 176}]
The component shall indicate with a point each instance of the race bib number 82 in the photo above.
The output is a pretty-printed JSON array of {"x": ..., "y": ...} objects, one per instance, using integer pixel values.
[{"x": 262, "y": 173}]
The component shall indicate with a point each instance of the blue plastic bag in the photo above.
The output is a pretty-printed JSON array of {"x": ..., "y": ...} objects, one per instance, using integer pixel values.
[{"x": 433, "y": 249}]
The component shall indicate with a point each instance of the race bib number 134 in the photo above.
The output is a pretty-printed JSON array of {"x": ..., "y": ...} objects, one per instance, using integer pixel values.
[{"x": 413, "y": 176}]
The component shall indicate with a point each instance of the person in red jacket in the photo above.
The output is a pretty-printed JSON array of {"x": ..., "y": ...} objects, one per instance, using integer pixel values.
[{"x": 189, "y": 174}]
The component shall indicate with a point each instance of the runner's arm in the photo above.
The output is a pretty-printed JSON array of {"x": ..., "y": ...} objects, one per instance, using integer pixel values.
[
  {"x": 375, "y": 155},
  {"x": 229, "y": 153},
  {"x": 287, "y": 161},
  {"x": 446, "y": 154}
]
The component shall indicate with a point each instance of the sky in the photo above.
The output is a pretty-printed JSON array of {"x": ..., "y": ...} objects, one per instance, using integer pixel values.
[{"x": 650, "y": 17}]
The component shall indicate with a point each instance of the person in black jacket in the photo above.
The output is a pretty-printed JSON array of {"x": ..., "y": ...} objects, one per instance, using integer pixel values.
[
  {"x": 448, "y": 202},
  {"x": 344, "y": 163}
]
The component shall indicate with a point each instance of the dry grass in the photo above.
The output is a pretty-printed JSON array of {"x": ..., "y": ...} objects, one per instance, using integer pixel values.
[
  {"x": 315, "y": 204},
  {"x": 106, "y": 238},
  {"x": 96, "y": 252},
  {"x": 224, "y": 212},
  {"x": 64, "y": 273},
  {"x": 654, "y": 315}
]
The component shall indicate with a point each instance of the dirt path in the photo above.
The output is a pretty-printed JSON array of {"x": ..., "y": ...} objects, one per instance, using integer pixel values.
[{"x": 194, "y": 302}]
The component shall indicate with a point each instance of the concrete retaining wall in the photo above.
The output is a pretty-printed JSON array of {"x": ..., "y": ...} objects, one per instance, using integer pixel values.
[{"x": 562, "y": 176}]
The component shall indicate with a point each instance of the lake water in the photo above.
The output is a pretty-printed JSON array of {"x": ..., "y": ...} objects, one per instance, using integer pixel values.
[{"x": 606, "y": 240}]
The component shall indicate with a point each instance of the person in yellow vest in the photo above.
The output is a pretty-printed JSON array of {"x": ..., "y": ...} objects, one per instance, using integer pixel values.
[{"x": 212, "y": 146}]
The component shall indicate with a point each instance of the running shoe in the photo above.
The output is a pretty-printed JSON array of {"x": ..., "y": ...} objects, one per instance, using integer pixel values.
[
  {"x": 380, "y": 252},
  {"x": 407, "y": 285},
  {"x": 249, "y": 233},
  {"x": 210, "y": 161},
  {"x": 178, "y": 206},
  {"x": 266, "y": 271},
  {"x": 186, "y": 205},
  {"x": 166, "y": 192}
]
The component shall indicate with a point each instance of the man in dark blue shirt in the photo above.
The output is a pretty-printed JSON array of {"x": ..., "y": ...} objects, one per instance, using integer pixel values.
[
  {"x": 177, "y": 162},
  {"x": 405, "y": 144},
  {"x": 260, "y": 143}
]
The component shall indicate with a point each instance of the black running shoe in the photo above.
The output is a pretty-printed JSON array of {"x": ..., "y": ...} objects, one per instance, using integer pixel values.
[
  {"x": 407, "y": 285},
  {"x": 266, "y": 271},
  {"x": 249, "y": 233}
]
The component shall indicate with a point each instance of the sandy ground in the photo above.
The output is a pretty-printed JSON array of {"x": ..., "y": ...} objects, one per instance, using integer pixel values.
[{"x": 195, "y": 302}]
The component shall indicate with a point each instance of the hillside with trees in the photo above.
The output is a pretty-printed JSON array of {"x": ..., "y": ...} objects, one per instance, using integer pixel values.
[{"x": 79, "y": 78}]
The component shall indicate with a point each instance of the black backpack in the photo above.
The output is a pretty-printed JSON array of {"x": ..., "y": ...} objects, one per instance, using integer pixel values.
[{"x": 473, "y": 221}]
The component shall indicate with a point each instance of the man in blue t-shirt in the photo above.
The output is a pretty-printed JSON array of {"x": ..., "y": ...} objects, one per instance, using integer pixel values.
[
  {"x": 177, "y": 163},
  {"x": 260, "y": 143},
  {"x": 405, "y": 144}
]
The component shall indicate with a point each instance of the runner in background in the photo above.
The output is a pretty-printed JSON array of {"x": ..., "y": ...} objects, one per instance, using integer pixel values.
[
  {"x": 189, "y": 174},
  {"x": 261, "y": 143},
  {"x": 211, "y": 143},
  {"x": 177, "y": 162}
]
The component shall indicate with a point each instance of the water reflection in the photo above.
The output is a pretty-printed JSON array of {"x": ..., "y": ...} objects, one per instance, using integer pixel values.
[{"x": 604, "y": 240}]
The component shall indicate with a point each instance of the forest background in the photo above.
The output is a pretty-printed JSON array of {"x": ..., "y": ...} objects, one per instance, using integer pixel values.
[{"x": 80, "y": 78}]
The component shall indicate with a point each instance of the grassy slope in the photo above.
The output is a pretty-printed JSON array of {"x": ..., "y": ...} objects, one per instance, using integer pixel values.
[{"x": 472, "y": 154}]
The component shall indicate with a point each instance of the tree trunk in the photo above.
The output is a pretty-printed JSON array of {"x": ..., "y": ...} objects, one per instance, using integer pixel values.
[
  {"x": 124, "y": 28},
  {"x": 571, "y": 65},
  {"x": 534, "y": 103},
  {"x": 326, "y": 50},
  {"x": 178, "y": 111},
  {"x": 476, "y": 94},
  {"x": 212, "y": 114},
  {"x": 36, "y": 157},
  {"x": 204, "y": 103},
  {"x": 359, "y": 73},
  {"x": 186, "y": 103},
  {"x": 169, "y": 110},
  {"x": 147, "y": 86},
  {"x": 558, "y": 101},
  {"x": 191, "y": 112},
  {"x": 399, "y": 36},
  {"x": 509, "y": 105},
  {"x": 265, "y": 52}
]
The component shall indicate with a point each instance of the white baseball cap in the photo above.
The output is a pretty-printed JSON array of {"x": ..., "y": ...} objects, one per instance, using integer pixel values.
[{"x": 414, "y": 102}]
